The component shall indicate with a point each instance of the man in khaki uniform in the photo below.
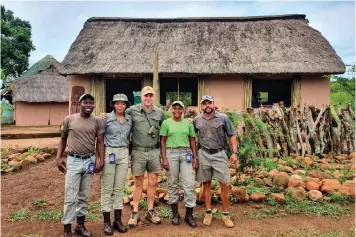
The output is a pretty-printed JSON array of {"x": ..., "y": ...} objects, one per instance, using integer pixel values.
[
  {"x": 146, "y": 121},
  {"x": 212, "y": 128},
  {"x": 80, "y": 132}
]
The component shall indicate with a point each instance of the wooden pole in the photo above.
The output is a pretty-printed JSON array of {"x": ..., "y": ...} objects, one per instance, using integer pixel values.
[{"x": 156, "y": 78}]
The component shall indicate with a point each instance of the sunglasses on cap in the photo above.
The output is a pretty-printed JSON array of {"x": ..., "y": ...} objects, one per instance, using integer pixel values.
[{"x": 207, "y": 97}]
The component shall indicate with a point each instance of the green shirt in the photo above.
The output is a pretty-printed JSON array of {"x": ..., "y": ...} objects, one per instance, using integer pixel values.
[
  {"x": 141, "y": 127},
  {"x": 177, "y": 133}
]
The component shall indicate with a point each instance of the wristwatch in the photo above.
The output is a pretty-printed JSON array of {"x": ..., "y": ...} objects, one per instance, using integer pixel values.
[{"x": 236, "y": 152}]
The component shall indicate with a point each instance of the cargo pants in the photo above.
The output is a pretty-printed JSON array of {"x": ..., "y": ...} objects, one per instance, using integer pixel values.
[
  {"x": 113, "y": 178},
  {"x": 77, "y": 188},
  {"x": 178, "y": 163}
]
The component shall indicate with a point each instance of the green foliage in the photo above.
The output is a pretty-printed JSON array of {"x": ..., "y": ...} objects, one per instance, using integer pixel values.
[
  {"x": 48, "y": 215},
  {"x": 39, "y": 203},
  {"x": 269, "y": 164},
  {"x": 92, "y": 217},
  {"x": 143, "y": 204},
  {"x": 165, "y": 212},
  {"x": 342, "y": 89},
  {"x": 272, "y": 202},
  {"x": 34, "y": 150},
  {"x": 185, "y": 97},
  {"x": 340, "y": 198},
  {"x": 310, "y": 208},
  {"x": 16, "y": 44},
  {"x": 263, "y": 213},
  {"x": 20, "y": 215},
  {"x": 251, "y": 189}
]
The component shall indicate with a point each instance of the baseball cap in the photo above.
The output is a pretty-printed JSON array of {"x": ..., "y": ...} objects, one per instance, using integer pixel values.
[
  {"x": 147, "y": 90},
  {"x": 207, "y": 97},
  {"x": 177, "y": 102},
  {"x": 84, "y": 96}
]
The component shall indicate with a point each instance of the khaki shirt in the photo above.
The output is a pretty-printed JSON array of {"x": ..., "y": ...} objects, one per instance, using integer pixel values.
[
  {"x": 117, "y": 133},
  {"x": 82, "y": 133},
  {"x": 141, "y": 127},
  {"x": 212, "y": 132}
]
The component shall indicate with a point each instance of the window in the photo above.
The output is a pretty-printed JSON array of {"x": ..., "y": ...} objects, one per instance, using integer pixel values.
[
  {"x": 183, "y": 89},
  {"x": 266, "y": 92}
]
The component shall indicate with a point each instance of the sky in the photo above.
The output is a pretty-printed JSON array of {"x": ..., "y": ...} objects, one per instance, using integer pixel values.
[{"x": 55, "y": 25}]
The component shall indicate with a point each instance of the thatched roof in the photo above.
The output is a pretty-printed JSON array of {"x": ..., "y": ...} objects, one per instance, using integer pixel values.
[
  {"x": 45, "y": 85},
  {"x": 248, "y": 45}
]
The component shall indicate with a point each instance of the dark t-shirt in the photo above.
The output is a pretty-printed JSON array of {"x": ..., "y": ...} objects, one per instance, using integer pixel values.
[{"x": 82, "y": 133}]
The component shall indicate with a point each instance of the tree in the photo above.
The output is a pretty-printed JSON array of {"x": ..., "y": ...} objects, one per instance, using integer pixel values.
[
  {"x": 16, "y": 44},
  {"x": 342, "y": 89}
]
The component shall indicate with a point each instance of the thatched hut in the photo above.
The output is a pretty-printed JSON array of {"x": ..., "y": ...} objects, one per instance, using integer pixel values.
[
  {"x": 241, "y": 61},
  {"x": 40, "y": 95}
]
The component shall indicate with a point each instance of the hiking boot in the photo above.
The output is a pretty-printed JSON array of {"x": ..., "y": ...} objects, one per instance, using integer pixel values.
[
  {"x": 227, "y": 221},
  {"x": 80, "y": 229},
  {"x": 208, "y": 218},
  {"x": 189, "y": 218},
  {"x": 67, "y": 230},
  {"x": 134, "y": 219},
  {"x": 117, "y": 224},
  {"x": 152, "y": 217},
  {"x": 175, "y": 214},
  {"x": 107, "y": 224}
]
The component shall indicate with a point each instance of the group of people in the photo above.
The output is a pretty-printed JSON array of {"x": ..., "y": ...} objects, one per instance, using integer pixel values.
[{"x": 101, "y": 144}]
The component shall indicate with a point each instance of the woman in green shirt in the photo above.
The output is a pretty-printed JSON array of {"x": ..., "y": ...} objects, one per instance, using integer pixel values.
[{"x": 179, "y": 154}]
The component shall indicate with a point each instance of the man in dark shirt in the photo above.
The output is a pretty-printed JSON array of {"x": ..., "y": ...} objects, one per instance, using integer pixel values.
[
  {"x": 80, "y": 132},
  {"x": 212, "y": 128}
]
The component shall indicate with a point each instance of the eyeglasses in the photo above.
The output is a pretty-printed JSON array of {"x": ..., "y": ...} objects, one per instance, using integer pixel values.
[{"x": 207, "y": 97}]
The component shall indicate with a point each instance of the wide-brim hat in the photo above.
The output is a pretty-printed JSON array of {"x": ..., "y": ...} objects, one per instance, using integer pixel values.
[{"x": 120, "y": 97}]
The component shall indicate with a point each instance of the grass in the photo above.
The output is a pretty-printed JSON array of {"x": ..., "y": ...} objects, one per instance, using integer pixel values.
[
  {"x": 92, "y": 217},
  {"x": 94, "y": 211},
  {"x": 340, "y": 199},
  {"x": 48, "y": 215},
  {"x": 251, "y": 189},
  {"x": 263, "y": 213},
  {"x": 165, "y": 212},
  {"x": 34, "y": 150},
  {"x": 269, "y": 164},
  {"x": 143, "y": 204},
  {"x": 39, "y": 203},
  {"x": 20, "y": 215},
  {"x": 310, "y": 208}
]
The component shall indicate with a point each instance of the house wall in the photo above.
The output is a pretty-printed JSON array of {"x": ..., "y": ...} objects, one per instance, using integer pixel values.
[
  {"x": 77, "y": 80},
  {"x": 315, "y": 90},
  {"x": 36, "y": 114},
  {"x": 228, "y": 91}
]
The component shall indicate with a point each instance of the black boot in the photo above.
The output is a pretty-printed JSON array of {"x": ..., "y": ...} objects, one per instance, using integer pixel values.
[
  {"x": 107, "y": 224},
  {"x": 175, "y": 214},
  {"x": 80, "y": 229},
  {"x": 117, "y": 224},
  {"x": 67, "y": 230},
  {"x": 189, "y": 219}
]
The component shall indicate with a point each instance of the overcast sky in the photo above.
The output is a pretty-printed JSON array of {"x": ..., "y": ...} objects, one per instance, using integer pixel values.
[{"x": 55, "y": 25}]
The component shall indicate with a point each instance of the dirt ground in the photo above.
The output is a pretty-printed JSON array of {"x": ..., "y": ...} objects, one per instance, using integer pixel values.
[
  {"x": 44, "y": 181},
  {"x": 35, "y": 142}
]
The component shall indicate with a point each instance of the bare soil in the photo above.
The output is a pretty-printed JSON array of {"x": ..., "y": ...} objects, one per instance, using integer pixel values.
[{"x": 44, "y": 181}]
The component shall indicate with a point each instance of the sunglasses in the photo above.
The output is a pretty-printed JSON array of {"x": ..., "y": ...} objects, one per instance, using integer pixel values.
[{"x": 207, "y": 97}]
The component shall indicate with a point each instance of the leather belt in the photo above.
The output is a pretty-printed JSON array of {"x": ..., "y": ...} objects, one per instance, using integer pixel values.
[
  {"x": 80, "y": 156},
  {"x": 145, "y": 149},
  {"x": 212, "y": 151},
  {"x": 180, "y": 147}
]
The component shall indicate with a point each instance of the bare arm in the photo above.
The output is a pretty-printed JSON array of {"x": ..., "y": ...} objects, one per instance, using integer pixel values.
[
  {"x": 193, "y": 146},
  {"x": 61, "y": 162},
  {"x": 101, "y": 153},
  {"x": 233, "y": 144},
  {"x": 163, "y": 152}
]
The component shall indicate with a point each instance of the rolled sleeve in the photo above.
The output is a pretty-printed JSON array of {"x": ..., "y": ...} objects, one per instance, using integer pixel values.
[
  {"x": 164, "y": 129},
  {"x": 101, "y": 127},
  {"x": 65, "y": 125},
  {"x": 229, "y": 129}
]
